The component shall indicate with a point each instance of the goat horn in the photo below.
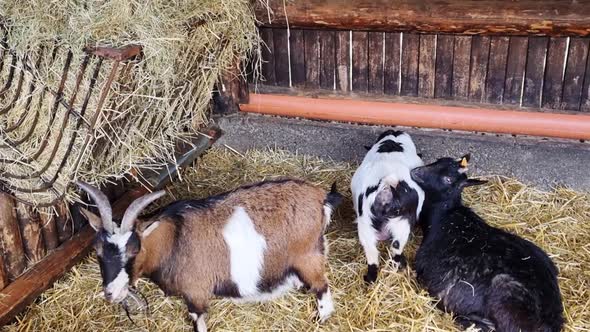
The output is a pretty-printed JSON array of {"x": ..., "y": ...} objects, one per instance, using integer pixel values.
[
  {"x": 102, "y": 202},
  {"x": 135, "y": 208}
]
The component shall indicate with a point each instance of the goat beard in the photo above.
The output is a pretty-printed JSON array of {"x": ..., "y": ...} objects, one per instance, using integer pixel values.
[{"x": 135, "y": 300}]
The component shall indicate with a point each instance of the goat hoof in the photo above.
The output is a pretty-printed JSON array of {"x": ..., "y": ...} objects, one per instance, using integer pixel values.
[{"x": 371, "y": 275}]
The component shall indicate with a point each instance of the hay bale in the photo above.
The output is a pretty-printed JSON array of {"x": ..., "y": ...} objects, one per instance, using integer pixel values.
[
  {"x": 164, "y": 97},
  {"x": 557, "y": 221}
]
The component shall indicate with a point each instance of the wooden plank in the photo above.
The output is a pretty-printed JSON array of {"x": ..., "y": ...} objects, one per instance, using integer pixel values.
[
  {"x": 30, "y": 226},
  {"x": 297, "y": 49},
  {"x": 42, "y": 275},
  {"x": 585, "y": 104},
  {"x": 553, "y": 84},
  {"x": 410, "y": 54},
  {"x": 515, "y": 67},
  {"x": 268, "y": 59},
  {"x": 524, "y": 17},
  {"x": 426, "y": 65},
  {"x": 281, "y": 56},
  {"x": 391, "y": 70},
  {"x": 343, "y": 60},
  {"x": 327, "y": 59},
  {"x": 376, "y": 62},
  {"x": 312, "y": 58},
  {"x": 480, "y": 53},
  {"x": 360, "y": 61},
  {"x": 461, "y": 60},
  {"x": 3, "y": 274},
  {"x": 575, "y": 71},
  {"x": 443, "y": 80},
  {"x": 49, "y": 228},
  {"x": 496, "y": 69},
  {"x": 13, "y": 251},
  {"x": 534, "y": 73}
]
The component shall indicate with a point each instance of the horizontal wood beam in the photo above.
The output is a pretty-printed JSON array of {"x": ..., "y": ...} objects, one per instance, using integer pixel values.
[
  {"x": 502, "y": 17},
  {"x": 570, "y": 126}
]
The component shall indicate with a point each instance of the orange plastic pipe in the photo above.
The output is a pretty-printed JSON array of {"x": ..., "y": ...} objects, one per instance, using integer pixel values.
[{"x": 572, "y": 126}]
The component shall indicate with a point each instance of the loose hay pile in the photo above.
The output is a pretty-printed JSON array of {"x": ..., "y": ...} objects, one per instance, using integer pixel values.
[
  {"x": 164, "y": 97},
  {"x": 558, "y": 221}
]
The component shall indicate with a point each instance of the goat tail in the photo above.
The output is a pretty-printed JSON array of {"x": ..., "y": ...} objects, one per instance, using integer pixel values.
[{"x": 332, "y": 201}]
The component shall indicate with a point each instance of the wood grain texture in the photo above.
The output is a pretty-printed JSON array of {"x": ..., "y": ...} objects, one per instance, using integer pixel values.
[
  {"x": 480, "y": 52},
  {"x": 461, "y": 61},
  {"x": 65, "y": 226},
  {"x": 376, "y": 58},
  {"x": 426, "y": 66},
  {"x": 443, "y": 81},
  {"x": 496, "y": 75},
  {"x": 49, "y": 228},
  {"x": 3, "y": 274},
  {"x": 312, "y": 58},
  {"x": 360, "y": 61},
  {"x": 268, "y": 59},
  {"x": 343, "y": 60},
  {"x": 297, "y": 48},
  {"x": 585, "y": 103},
  {"x": 30, "y": 226},
  {"x": 392, "y": 66},
  {"x": 575, "y": 72},
  {"x": 281, "y": 56},
  {"x": 410, "y": 58},
  {"x": 534, "y": 73},
  {"x": 13, "y": 251},
  {"x": 515, "y": 68},
  {"x": 327, "y": 59},
  {"x": 553, "y": 85},
  {"x": 525, "y": 17}
]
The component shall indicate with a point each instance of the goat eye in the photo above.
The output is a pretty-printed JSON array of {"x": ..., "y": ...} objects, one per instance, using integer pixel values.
[{"x": 447, "y": 180}]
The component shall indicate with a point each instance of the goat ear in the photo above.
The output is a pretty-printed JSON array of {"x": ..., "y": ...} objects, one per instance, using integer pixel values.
[
  {"x": 472, "y": 182},
  {"x": 93, "y": 219},
  {"x": 418, "y": 174},
  {"x": 149, "y": 229}
]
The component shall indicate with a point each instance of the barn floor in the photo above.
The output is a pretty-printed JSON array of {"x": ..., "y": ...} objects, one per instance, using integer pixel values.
[{"x": 559, "y": 221}]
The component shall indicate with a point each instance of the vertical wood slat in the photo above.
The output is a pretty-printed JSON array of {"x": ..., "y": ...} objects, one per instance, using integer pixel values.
[
  {"x": 426, "y": 66},
  {"x": 410, "y": 54},
  {"x": 496, "y": 69},
  {"x": 268, "y": 62},
  {"x": 3, "y": 274},
  {"x": 585, "y": 103},
  {"x": 312, "y": 58},
  {"x": 11, "y": 241},
  {"x": 480, "y": 52},
  {"x": 534, "y": 72},
  {"x": 30, "y": 226},
  {"x": 343, "y": 60},
  {"x": 391, "y": 70},
  {"x": 327, "y": 59},
  {"x": 575, "y": 71},
  {"x": 281, "y": 56},
  {"x": 297, "y": 49},
  {"x": 443, "y": 81},
  {"x": 553, "y": 84},
  {"x": 49, "y": 229},
  {"x": 515, "y": 68},
  {"x": 461, "y": 60},
  {"x": 65, "y": 227},
  {"x": 375, "y": 49},
  {"x": 360, "y": 61}
]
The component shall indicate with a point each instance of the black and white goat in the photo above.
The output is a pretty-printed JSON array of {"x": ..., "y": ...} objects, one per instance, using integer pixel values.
[
  {"x": 386, "y": 199},
  {"x": 251, "y": 244},
  {"x": 486, "y": 276}
]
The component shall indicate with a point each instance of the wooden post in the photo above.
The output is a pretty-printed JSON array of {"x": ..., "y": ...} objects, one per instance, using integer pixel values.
[
  {"x": 232, "y": 90},
  {"x": 3, "y": 275},
  {"x": 49, "y": 228},
  {"x": 65, "y": 227},
  {"x": 30, "y": 225},
  {"x": 13, "y": 253}
]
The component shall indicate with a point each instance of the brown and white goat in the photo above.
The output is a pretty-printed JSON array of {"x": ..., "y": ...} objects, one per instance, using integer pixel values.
[{"x": 252, "y": 244}]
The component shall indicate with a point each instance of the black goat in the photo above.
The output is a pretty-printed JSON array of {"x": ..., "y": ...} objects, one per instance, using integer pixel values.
[{"x": 486, "y": 276}]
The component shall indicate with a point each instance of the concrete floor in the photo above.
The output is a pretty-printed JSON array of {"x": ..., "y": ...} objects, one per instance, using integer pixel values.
[{"x": 540, "y": 162}]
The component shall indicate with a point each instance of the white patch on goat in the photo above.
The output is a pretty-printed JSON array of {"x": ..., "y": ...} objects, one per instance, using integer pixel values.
[
  {"x": 200, "y": 320},
  {"x": 327, "y": 214},
  {"x": 246, "y": 248},
  {"x": 120, "y": 240},
  {"x": 368, "y": 240},
  {"x": 399, "y": 228},
  {"x": 150, "y": 229},
  {"x": 118, "y": 287},
  {"x": 325, "y": 306},
  {"x": 290, "y": 283}
]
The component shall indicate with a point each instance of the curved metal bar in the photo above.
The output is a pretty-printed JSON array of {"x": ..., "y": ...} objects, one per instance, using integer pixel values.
[
  {"x": 12, "y": 68},
  {"x": 19, "y": 87}
]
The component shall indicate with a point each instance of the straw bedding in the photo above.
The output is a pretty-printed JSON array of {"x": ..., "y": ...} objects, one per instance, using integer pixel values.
[
  {"x": 165, "y": 97},
  {"x": 559, "y": 221}
]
